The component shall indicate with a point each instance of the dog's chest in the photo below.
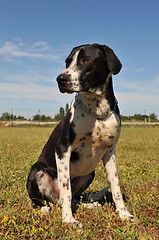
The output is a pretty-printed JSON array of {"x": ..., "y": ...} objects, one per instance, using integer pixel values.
[{"x": 94, "y": 138}]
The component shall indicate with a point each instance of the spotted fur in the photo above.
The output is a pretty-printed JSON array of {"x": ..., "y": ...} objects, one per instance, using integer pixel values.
[{"x": 86, "y": 135}]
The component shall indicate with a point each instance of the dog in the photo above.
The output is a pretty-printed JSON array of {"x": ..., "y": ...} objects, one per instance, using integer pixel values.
[{"x": 87, "y": 134}]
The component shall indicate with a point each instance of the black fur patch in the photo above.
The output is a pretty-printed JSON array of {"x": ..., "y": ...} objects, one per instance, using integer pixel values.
[
  {"x": 32, "y": 185},
  {"x": 72, "y": 133},
  {"x": 89, "y": 134},
  {"x": 74, "y": 156},
  {"x": 66, "y": 135}
]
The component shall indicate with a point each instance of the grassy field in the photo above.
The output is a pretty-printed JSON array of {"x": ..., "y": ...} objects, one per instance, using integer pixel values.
[{"x": 138, "y": 166}]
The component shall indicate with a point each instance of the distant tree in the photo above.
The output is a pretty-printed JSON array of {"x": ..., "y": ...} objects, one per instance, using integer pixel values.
[
  {"x": 43, "y": 118},
  {"x": 124, "y": 118},
  {"x": 5, "y": 116},
  {"x": 139, "y": 117},
  {"x": 13, "y": 117},
  {"x": 56, "y": 117},
  {"x": 60, "y": 115},
  {"x": 66, "y": 108},
  {"x": 62, "y": 112},
  {"x": 21, "y": 118},
  {"x": 153, "y": 116},
  {"x": 49, "y": 118},
  {"x": 36, "y": 117}
]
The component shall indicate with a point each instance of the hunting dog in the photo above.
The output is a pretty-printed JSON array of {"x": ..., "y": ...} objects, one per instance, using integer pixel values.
[{"x": 86, "y": 135}]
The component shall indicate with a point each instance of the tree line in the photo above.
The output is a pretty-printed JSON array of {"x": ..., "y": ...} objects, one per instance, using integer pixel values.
[
  {"x": 38, "y": 117},
  {"x": 139, "y": 117},
  {"x": 63, "y": 111}
]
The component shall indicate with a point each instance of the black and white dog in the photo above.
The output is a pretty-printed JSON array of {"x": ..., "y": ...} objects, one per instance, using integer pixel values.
[{"x": 86, "y": 135}]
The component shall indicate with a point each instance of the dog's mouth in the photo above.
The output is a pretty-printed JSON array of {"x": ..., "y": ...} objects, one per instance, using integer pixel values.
[
  {"x": 70, "y": 90},
  {"x": 64, "y": 90},
  {"x": 65, "y": 86}
]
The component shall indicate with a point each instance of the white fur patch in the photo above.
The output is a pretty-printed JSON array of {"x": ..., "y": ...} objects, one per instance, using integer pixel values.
[
  {"x": 91, "y": 205},
  {"x": 44, "y": 187},
  {"x": 63, "y": 170},
  {"x": 111, "y": 171},
  {"x": 47, "y": 186},
  {"x": 45, "y": 209},
  {"x": 74, "y": 73}
]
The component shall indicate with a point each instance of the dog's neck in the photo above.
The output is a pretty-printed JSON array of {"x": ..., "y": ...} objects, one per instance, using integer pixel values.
[{"x": 99, "y": 102}]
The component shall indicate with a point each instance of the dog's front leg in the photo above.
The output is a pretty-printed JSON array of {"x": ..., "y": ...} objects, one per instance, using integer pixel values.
[
  {"x": 63, "y": 172},
  {"x": 109, "y": 162}
]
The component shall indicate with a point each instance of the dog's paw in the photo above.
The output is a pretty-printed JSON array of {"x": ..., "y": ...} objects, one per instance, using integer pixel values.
[
  {"x": 73, "y": 222},
  {"x": 125, "y": 215},
  {"x": 130, "y": 218},
  {"x": 45, "y": 209},
  {"x": 91, "y": 205},
  {"x": 76, "y": 224}
]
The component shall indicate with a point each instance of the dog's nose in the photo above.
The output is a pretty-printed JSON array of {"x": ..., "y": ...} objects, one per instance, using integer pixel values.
[{"x": 62, "y": 78}]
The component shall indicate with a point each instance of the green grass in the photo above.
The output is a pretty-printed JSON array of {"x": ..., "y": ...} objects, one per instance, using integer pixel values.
[{"x": 138, "y": 166}]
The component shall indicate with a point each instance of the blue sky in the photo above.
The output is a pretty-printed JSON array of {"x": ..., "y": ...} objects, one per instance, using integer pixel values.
[{"x": 36, "y": 36}]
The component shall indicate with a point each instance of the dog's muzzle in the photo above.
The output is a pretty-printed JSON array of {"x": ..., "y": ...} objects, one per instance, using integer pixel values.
[{"x": 64, "y": 83}]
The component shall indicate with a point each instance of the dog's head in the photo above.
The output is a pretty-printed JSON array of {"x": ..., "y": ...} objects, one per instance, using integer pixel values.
[{"x": 87, "y": 67}]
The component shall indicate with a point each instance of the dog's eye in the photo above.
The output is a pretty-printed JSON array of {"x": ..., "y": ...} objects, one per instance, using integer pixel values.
[{"x": 84, "y": 61}]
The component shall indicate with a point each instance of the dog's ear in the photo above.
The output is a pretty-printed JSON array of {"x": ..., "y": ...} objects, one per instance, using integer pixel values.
[{"x": 113, "y": 62}]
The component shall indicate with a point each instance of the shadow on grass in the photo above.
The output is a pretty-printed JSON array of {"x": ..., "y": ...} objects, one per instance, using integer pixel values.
[{"x": 85, "y": 198}]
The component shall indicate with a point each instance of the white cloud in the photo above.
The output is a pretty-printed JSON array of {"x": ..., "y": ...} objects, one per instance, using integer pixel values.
[
  {"x": 136, "y": 98},
  {"x": 142, "y": 87},
  {"x": 149, "y": 86},
  {"x": 139, "y": 70},
  {"x": 35, "y": 91},
  {"x": 138, "y": 93},
  {"x": 38, "y": 50},
  {"x": 32, "y": 91},
  {"x": 42, "y": 46},
  {"x": 31, "y": 84},
  {"x": 28, "y": 77},
  {"x": 157, "y": 79}
]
